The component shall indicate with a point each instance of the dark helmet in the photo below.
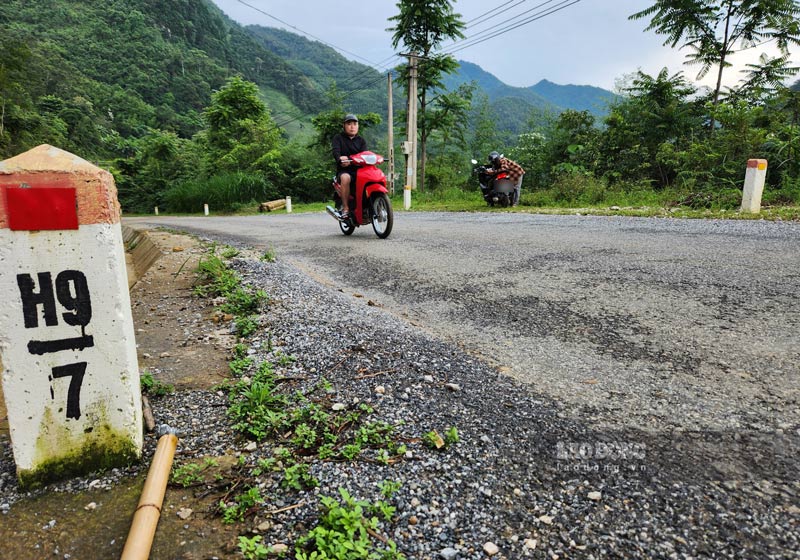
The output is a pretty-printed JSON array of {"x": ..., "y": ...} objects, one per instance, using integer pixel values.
[
  {"x": 350, "y": 117},
  {"x": 494, "y": 158}
]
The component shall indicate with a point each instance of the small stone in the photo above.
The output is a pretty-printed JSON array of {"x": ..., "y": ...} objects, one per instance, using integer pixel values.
[
  {"x": 91, "y": 506},
  {"x": 490, "y": 548},
  {"x": 413, "y": 520},
  {"x": 185, "y": 513},
  {"x": 448, "y": 554},
  {"x": 594, "y": 496},
  {"x": 415, "y": 502},
  {"x": 177, "y": 249},
  {"x": 428, "y": 379},
  {"x": 252, "y": 446},
  {"x": 338, "y": 406},
  {"x": 530, "y": 544},
  {"x": 380, "y": 389},
  {"x": 453, "y": 386},
  {"x": 517, "y": 492},
  {"x": 164, "y": 355},
  {"x": 146, "y": 356},
  {"x": 546, "y": 519},
  {"x": 280, "y": 548},
  {"x": 264, "y": 526}
]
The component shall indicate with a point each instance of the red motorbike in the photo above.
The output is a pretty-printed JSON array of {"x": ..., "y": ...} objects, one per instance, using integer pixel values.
[{"x": 369, "y": 199}]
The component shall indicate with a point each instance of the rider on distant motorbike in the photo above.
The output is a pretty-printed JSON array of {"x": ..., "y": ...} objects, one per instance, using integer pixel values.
[
  {"x": 345, "y": 144},
  {"x": 515, "y": 172}
]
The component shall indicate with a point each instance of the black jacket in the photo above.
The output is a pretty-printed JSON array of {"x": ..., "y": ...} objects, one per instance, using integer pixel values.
[{"x": 343, "y": 145}]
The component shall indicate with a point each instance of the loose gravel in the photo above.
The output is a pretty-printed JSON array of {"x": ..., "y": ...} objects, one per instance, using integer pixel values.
[{"x": 528, "y": 478}]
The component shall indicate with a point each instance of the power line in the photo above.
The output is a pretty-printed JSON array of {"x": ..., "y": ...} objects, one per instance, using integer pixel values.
[
  {"x": 477, "y": 39},
  {"x": 491, "y": 13},
  {"x": 305, "y": 32},
  {"x": 511, "y": 20}
]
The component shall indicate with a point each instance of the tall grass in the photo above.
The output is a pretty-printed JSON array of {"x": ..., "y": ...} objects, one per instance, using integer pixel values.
[{"x": 223, "y": 193}]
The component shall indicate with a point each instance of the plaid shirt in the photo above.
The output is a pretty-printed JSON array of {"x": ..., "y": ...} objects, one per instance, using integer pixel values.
[{"x": 514, "y": 169}]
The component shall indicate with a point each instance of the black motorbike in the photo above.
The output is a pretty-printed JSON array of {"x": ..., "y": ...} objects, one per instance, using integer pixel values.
[{"x": 495, "y": 188}]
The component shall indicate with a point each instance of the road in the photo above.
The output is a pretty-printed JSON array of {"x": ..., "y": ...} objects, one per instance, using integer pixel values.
[{"x": 653, "y": 323}]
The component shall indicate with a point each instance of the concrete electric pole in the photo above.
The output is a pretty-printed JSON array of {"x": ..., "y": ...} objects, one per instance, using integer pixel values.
[
  {"x": 410, "y": 146},
  {"x": 391, "y": 137}
]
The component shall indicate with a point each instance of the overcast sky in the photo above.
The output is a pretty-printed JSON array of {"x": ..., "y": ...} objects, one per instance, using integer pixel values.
[{"x": 589, "y": 43}]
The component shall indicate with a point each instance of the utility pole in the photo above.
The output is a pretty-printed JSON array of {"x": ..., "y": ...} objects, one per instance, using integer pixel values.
[
  {"x": 391, "y": 137},
  {"x": 411, "y": 127}
]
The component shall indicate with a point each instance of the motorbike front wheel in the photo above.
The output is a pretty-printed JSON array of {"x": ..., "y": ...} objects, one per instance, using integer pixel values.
[
  {"x": 347, "y": 227},
  {"x": 382, "y": 216}
]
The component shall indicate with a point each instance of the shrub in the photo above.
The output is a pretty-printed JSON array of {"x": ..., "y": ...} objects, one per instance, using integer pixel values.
[{"x": 223, "y": 193}]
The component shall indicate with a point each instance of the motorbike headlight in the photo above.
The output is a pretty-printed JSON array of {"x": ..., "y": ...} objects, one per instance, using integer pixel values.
[{"x": 371, "y": 159}]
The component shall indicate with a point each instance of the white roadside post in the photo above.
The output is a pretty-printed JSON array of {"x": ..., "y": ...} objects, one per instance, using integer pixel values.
[
  {"x": 288, "y": 204},
  {"x": 205, "y": 209},
  {"x": 67, "y": 350},
  {"x": 754, "y": 185}
]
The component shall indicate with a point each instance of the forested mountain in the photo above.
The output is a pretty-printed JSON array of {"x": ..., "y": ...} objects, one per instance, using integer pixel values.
[
  {"x": 513, "y": 106},
  {"x": 545, "y": 95},
  {"x": 75, "y": 70},
  {"x": 494, "y": 88},
  {"x": 363, "y": 87},
  {"x": 579, "y": 98}
]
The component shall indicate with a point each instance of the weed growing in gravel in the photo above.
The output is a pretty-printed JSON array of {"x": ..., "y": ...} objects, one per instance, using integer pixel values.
[
  {"x": 451, "y": 436},
  {"x": 235, "y": 511},
  {"x": 243, "y": 301},
  {"x": 240, "y": 365},
  {"x": 229, "y": 252},
  {"x": 216, "y": 279},
  {"x": 389, "y": 488},
  {"x": 245, "y": 326},
  {"x": 345, "y": 532},
  {"x": 191, "y": 474},
  {"x": 252, "y": 549},
  {"x": 298, "y": 477},
  {"x": 153, "y": 387},
  {"x": 269, "y": 255}
]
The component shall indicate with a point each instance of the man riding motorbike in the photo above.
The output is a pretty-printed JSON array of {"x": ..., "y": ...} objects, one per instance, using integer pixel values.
[
  {"x": 345, "y": 144},
  {"x": 514, "y": 170}
]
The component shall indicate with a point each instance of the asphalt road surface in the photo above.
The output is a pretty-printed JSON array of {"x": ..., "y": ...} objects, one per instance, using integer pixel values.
[{"x": 652, "y": 323}]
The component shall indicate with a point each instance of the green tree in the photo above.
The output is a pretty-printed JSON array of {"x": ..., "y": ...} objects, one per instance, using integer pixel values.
[
  {"x": 449, "y": 117},
  {"x": 422, "y": 26},
  {"x": 484, "y": 129},
  {"x": 653, "y": 110},
  {"x": 763, "y": 80},
  {"x": 716, "y": 29},
  {"x": 240, "y": 134}
]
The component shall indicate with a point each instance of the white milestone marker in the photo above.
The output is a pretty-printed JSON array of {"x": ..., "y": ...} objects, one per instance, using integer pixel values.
[{"x": 67, "y": 349}]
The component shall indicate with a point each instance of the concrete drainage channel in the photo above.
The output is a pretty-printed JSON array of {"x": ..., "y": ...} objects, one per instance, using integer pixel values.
[{"x": 140, "y": 253}]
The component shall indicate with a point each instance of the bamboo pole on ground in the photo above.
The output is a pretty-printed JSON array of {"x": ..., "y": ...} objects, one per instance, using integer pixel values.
[{"x": 145, "y": 520}]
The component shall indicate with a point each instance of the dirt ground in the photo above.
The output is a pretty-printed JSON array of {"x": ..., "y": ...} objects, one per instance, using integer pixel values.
[{"x": 180, "y": 343}]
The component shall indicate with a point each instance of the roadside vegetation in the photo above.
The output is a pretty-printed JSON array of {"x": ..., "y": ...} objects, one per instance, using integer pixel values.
[{"x": 295, "y": 423}]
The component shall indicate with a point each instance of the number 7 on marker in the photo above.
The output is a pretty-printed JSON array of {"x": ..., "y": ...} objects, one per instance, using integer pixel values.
[{"x": 75, "y": 372}]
